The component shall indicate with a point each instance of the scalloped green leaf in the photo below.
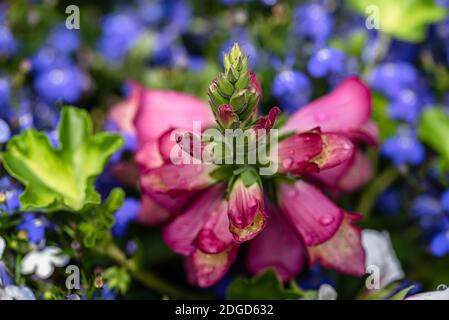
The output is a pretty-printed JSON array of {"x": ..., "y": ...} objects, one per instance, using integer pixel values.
[
  {"x": 60, "y": 178},
  {"x": 406, "y": 20},
  {"x": 433, "y": 130}
]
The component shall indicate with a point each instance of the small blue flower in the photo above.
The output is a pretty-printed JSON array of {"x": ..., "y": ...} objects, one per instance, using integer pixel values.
[
  {"x": 151, "y": 11},
  {"x": 107, "y": 293},
  {"x": 405, "y": 107},
  {"x": 440, "y": 244},
  {"x": 404, "y": 148},
  {"x": 392, "y": 77},
  {"x": 120, "y": 34},
  {"x": 179, "y": 15},
  {"x": 292, "y": 89},
  {"x": 313, "y": 21},
  {"x": 64, "y": 40},
  {"x": 389, "y": 202},
  {"x": 12, "y": 193},
  {"x": 8, "y": 44},
  {"x": 5, "y": 131},
  {"x": 326, "y": 61},
  {"x": 427, "y": 206},
  {"x": 35, "y": 227},
  {"x": 5, "y": 98},
  {"x": 125, "y": 215},
  {"x": 48, "y": 57},
  {"x": 60, "y": 84}
]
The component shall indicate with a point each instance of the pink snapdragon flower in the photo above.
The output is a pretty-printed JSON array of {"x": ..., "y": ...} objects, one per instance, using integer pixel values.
[{"x": 210, "y": 210}]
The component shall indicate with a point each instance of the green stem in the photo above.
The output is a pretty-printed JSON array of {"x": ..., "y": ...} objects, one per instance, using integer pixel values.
[
  {"x": 148, "y": 278},
  {"x": 378, "y": 185}
]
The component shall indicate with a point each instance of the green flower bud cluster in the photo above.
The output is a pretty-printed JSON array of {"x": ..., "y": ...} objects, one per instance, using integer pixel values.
[{"x": 234, "y": 87}]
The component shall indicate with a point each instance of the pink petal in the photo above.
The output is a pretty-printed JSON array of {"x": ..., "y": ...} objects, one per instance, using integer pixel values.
[
  {"x": 345, "y": 109},
  {"x": 215, "y": 236},
  {"x": 344, "y": 251},
  {"x": 359, "y": 173},
  {"x": 276, "y": 247},
  {"x": 204, "y": 270},
  {"x": 161, "y": 110},
  {"x": 246, "y": 211},
  {"x": 148, "y": 156},
  {"x": 336, "y": 150},
  {"x": 368, "y": 133},
  {"x": 226, "y": 116},
  {"x": 268, "y": 121},
  {"x": 152, "y": 213},
  {"x": 311, "y": 214},
  {"x": 295, "y": 153},
  {"x": 180, "y": 235},
  {"x": 123, "y": 113},
  {"x": 175, "y": 179},
  {"x": 330, "y": 178}
]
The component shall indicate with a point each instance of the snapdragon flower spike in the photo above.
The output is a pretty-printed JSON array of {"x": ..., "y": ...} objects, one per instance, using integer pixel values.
[
  {"x": 246, "y": 209},
  {"x": 235, "y": 93},
  {"x": 226, "y": 117}
]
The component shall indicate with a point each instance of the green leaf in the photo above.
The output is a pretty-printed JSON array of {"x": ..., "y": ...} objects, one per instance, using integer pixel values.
[
  {"x": 401, "y": 294},
  {"x": 60, "y": 178},
  {"x": 265, "y": 286},
  {"x": 406, "y": 20},
  {"x": 117, "y": 279},
  {"x": 434, "y": 129},
  {"x": 101, "y": 220},
  {"x": 387, "y": 127}
]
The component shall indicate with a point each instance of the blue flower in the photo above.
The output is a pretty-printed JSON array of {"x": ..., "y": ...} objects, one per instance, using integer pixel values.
[
  {"x": 5, "y": 131},
  {"x": 427, "y": 205},
  {"x": 5, "y": 98},
  {"x": 292, "y": 89},
  {"x": 60, "y": 84},
  {"x": 389, "y": 202},
  {"x": 326, "y": 61},
  {"x": 313, "y": 21},
  {"x": 392, "y": 77},
  {"x": 8, "y": 44},
  {"x": 179, "y": 15},
  {"x": 125, "y": 215},
  {"x": 35, "y": 227},
  {"x": 403, "y": 148},
  {"x": 120, "y": 34},
  {"x": 48, "y": 57},
  {"x": 440, "y": 244},
  {"x": 64, "y": 40},
  {"x": 12, "y": 193},
  {"x": 406, "y": 106},
  {"x": 151, "y": 11},
  {"x": 107, "y": 293}
]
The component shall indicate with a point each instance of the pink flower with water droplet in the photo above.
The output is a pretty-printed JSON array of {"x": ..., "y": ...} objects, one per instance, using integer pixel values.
[{"x": 246, "y": 210}]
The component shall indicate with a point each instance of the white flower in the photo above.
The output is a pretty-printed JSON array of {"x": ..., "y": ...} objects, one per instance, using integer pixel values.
[
  {"x": 42, "y": 262},
  {"x": 2, "y": 246},
  {"x": 380, "y": 253},
  {"x": 16, "y": 293},
  {"x": 327, "y": 292},
  {"x": 442, "y": 294}
]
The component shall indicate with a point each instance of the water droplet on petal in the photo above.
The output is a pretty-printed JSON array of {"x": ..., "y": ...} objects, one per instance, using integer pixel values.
[
  {"x": 309, "y": 238},
  {"x": 287, "y": 163},
  {"x": 442, "y": 287},
  {"x": 321, "y": 116},
  {"x": 252, "y": 204},
  {"x": 292, "y": 193},
  {"x": 326, "y": 219},
  {"x": 198, "y": 169},
  {"x": 291, "y": 152}
]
